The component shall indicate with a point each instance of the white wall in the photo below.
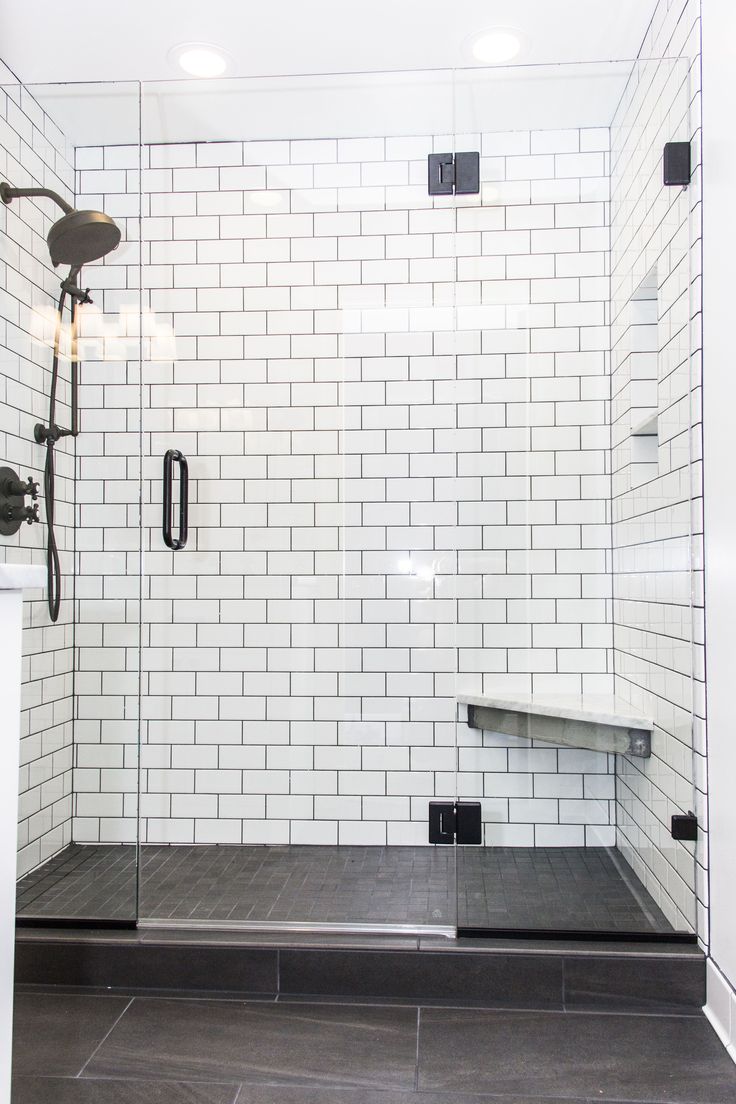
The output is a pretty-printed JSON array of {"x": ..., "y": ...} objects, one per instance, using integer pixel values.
[
  {"x": 395, "y": 412},
  {"x": 719, "y": 390}
]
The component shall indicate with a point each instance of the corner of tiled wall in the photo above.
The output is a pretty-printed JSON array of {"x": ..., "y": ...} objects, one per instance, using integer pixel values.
[
  {"x": 656, "y": 373},
  {"x": 34, "y": 152}
]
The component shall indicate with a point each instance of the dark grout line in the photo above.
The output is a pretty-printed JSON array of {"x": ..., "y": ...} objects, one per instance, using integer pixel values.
[
  {"x": 107, "y": 1036},
  {"x": 342, "y": 1000}
]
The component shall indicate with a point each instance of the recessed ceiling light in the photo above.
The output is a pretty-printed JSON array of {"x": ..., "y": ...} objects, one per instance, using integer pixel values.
[
  {"x": 496, "y": 47},
  {"x": 200, "y": 59}
]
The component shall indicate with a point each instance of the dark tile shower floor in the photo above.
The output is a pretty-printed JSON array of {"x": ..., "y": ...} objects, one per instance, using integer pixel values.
[{"x": 561, "y": 888}]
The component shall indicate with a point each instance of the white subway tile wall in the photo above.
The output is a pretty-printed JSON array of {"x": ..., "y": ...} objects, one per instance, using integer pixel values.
[
  {"x": 108, "y": 514},
  {"x": 657, "y": 480},
  {"x": 34, "y": 153},
  {"x": 395, "y": 411}
]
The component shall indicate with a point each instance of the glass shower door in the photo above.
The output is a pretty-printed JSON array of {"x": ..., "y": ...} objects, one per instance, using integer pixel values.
[
  {"x": 575, "y": 656},
  {"x": 299, "y": 710}
]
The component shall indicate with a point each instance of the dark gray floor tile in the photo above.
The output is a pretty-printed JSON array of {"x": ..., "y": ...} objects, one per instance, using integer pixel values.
[
  {"x": 281, "y": 1043},
  {"x": 55, "y": 1034},
  {"x": 55, "y": 1090},
  {"x": 554, "y": 889},
  {"x": 663, "y": 1059},
  {"x": 493, "y": 980},
  {"x": 651, "y": 985},
  {"x": 211, "y": 968},
  {"x": 565, "y": 888}
]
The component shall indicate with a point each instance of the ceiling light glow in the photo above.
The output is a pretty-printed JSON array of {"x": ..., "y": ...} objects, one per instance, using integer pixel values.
[
  {"x": 496, "y": 47},
  {"x": 269, "y": 200},
  {"x": 200, "y": 59}
]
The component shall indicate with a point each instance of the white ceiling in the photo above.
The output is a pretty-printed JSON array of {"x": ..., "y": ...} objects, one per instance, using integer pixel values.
[{"x": 96, "y": 40}]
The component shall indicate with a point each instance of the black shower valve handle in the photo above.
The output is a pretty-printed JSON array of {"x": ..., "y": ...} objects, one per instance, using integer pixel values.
[
  {"x": 18, "y": 489},
  {"x": 29, "y": 488},
  {"x": 28, "y": 514}
]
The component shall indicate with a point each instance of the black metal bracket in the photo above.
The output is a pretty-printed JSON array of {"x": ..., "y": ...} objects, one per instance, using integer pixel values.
[
  {"x": 72, "y": 288},
  {"x": 13, "y": 510},
  {"x": 453, "y": 175},
  {"x": 455, "y": 822},
  {"x": 43, "y": 434},
  {"x": 685, "y": 827},
  {"x": 677, "y": 169}
]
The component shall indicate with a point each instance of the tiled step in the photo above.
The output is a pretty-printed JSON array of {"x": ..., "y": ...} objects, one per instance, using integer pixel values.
[{"x": 574, "y": 976}]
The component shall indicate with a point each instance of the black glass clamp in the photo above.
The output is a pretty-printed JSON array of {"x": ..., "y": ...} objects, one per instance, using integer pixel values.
[
  {"x": 453, "y": 174},
  {"x": 676, "y": 164},
  {"x": 455, "y": 822}
]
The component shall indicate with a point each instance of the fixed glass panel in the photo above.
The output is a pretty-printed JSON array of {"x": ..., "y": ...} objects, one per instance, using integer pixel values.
[
  {"x": 574, "y": 655},
  {"x": 299, "y": 698},
  {"x": 79, "y": 781}
]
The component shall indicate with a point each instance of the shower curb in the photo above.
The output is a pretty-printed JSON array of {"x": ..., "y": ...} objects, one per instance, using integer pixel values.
[{"x": 555, "y": 976}]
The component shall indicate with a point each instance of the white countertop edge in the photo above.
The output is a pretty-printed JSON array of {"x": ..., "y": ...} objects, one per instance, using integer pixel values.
[
  {"x": 594, "y": 708},
  {"x": 22, "y": 576}
]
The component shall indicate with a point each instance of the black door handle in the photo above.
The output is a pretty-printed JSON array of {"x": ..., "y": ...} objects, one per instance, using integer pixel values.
[{"x": 169, "y": 457}]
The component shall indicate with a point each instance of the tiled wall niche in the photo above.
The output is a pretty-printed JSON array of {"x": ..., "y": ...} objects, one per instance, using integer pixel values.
[
  {"x": 34, "y": 153},
  {"x": 396, "y": 416}
]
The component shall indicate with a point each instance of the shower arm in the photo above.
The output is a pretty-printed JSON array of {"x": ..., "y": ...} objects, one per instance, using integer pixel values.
[{"x": 8, "y": 194}]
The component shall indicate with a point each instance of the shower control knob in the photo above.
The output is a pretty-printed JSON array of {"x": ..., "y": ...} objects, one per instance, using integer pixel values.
[
  {"x": 18, "y": 489},
  {"x": 20, "y": 513}
]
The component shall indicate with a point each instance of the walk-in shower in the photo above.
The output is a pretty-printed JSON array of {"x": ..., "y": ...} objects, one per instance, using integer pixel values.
[
  {"x": 441, "y": 509},
  {"x": 75, "y": 239}
]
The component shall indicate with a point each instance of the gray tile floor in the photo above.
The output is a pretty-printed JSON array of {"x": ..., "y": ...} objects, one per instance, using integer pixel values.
[
  {"x": 84, "y": 1049},
  {"x": 553, "y": 888},
  {"x": 586, "y": 889}
]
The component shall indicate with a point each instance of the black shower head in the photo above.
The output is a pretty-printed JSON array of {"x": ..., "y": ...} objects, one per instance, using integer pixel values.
[{"x": 79, "y": 236}]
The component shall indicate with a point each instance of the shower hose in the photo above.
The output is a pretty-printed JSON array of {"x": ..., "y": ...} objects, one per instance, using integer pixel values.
[{"x": 49, "y": 435}]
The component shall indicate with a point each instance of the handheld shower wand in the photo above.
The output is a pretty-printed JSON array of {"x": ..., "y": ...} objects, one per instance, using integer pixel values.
[{"x": 77, "y": 238}]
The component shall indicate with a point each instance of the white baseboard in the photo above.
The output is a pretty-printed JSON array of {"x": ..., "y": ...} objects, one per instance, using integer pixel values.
[{"x": 720, "y": 1007}]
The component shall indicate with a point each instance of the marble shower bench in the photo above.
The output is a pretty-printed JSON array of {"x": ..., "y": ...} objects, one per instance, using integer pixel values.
[{"x": 590, "y": 722}]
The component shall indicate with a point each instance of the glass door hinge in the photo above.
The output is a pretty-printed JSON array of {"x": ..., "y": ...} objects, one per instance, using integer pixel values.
[
  {"x": 455, "y": 822},
  {"x": 457, "y": 174}
]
